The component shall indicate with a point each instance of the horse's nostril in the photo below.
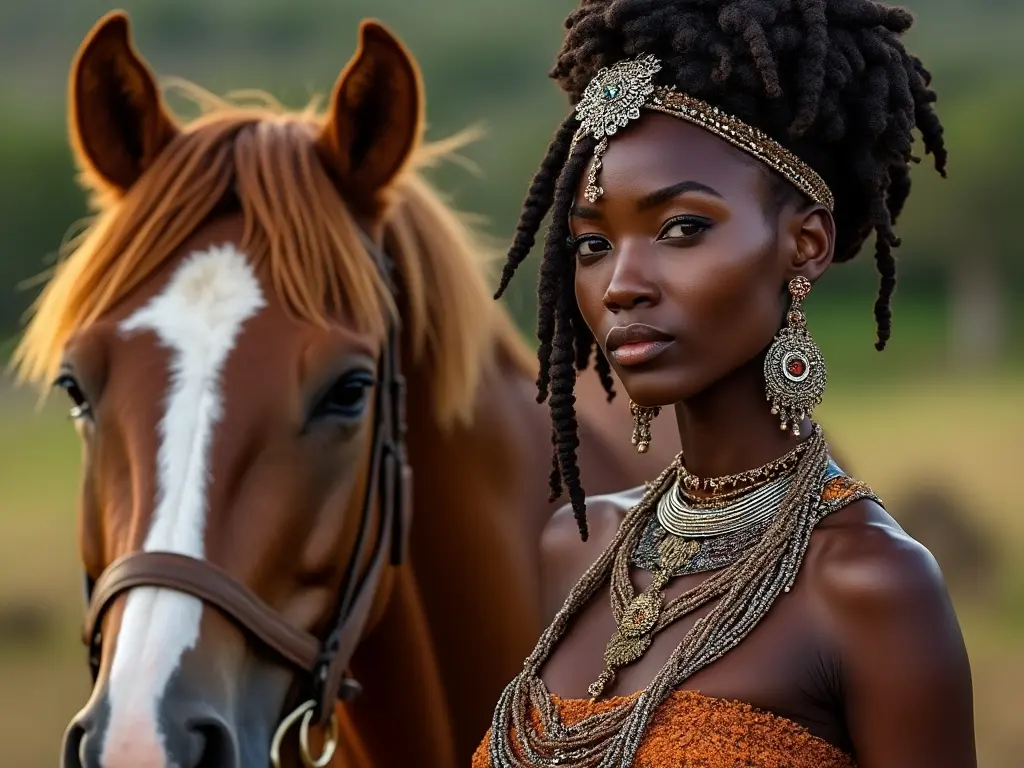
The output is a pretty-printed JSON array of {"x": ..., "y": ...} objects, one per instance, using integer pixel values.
[
  {"x": 187, "y": 735},
  {"x": 214, "y": 746},
  {"x": 195, "y": 749},
  {"x": 72, "y": 742},
  {"x": 205, "y": 742},
  {"x": 79, "y": 749}
]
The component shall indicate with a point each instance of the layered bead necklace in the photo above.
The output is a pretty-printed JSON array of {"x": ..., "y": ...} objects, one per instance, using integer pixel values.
[
  {"x": 680, "y": 537},
  {"x": 689, "y": 535}
]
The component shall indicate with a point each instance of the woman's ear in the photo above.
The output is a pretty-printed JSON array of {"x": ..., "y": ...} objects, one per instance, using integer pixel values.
[
  {"x": 813, "y": 233},
  {"x": 118, "y": 124}
]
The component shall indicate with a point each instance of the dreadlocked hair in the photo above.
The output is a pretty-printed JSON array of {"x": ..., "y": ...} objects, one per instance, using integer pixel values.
[
  {"x": 828, "y": 79},
  {"x": 565, "y": 340}
]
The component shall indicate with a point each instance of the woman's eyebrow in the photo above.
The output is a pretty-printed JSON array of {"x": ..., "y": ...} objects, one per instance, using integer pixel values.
[{"x": 665, "y": 194}]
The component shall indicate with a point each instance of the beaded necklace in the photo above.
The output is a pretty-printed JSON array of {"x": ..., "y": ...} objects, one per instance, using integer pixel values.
[
  {"x": 773, "y": 469},
  {"x": 745, "y": 591}
]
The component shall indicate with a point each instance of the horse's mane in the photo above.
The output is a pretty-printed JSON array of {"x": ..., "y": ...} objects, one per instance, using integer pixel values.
[{"x": 298, "y": 228}]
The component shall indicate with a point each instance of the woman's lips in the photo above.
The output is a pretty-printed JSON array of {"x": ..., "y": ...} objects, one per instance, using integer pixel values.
[
  {"x": 636, "y": 344},
  {"x": 641, "y": 352}
]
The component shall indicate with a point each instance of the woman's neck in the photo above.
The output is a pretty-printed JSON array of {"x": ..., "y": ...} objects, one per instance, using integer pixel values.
[{"x": 729, "y": 427}]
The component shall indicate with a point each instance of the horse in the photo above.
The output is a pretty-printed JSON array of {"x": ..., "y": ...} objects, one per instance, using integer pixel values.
[{"x": 314, "y": 474}]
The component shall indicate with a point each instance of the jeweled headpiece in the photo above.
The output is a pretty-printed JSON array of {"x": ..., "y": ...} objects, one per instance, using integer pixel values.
[{"x": 617, "y": 94}]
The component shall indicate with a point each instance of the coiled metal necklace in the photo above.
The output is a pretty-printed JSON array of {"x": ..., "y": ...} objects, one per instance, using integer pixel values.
[
  {"x": 718, "y": 531},
  {"x": 694, "y": 522}
]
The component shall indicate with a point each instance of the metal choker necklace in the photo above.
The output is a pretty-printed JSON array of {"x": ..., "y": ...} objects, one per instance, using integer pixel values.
[
  {"x": 714, "y": 533},
  {"x": 693, "y": 521}
]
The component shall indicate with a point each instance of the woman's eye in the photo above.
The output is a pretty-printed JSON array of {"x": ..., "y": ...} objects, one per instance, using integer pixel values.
[
  {"x": 347, "y": 398},
  {"x": 682, "y": 228},
  {"x": 80, "y": 408},
  {"x": 591, "y": 246}
]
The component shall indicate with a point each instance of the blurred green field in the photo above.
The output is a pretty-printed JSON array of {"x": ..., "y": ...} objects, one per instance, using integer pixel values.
[
  {"x": 899, "y": 432},
  {"x": 907, "y": 420}
]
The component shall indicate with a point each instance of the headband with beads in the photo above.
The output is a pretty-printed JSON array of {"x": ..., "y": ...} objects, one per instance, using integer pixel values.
[{"x": 617, "y": 94}]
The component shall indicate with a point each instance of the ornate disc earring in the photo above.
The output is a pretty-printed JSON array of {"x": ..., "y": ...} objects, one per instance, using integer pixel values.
[
  {"x": 794, "y": 370},
  {"x": 642, "y": 417}
]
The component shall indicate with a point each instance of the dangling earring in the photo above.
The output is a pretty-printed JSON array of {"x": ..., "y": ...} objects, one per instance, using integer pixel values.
[
  {"x": 794, "y": 370},
  {"x": 642, "y": 417}
]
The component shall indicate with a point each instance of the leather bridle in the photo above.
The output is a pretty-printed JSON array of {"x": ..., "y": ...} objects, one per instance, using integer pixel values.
[{"x": 324, "y": 662}]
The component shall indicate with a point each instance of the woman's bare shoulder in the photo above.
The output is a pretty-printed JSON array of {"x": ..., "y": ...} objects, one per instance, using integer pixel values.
[
  {"x": 565, "y": 557},
  {"x": 905, "y": 670}
]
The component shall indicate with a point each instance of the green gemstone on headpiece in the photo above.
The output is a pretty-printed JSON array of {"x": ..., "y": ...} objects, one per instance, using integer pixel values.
[{"x": 611, "y": 92}]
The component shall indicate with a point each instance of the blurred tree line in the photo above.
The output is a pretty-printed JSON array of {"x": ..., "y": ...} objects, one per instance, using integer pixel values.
[{"x": 486, "y": 61}]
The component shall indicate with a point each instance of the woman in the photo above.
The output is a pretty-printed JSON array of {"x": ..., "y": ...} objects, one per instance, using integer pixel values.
[{"x": 754, "y": 606}]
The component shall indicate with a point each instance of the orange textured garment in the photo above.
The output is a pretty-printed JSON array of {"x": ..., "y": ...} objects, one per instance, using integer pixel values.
[{"x": 691, "y": 730}]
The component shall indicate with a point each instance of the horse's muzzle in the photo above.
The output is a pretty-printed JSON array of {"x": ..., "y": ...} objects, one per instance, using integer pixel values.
[{"x": 187, "y": 739}]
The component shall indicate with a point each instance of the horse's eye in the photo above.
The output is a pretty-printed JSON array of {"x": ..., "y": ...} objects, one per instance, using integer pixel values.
[
  {"x": 80, "y": 408},
  {"x": 347, "y": 398}
]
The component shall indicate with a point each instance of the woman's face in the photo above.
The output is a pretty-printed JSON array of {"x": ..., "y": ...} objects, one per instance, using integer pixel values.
[{"x": 681, "y": 265}]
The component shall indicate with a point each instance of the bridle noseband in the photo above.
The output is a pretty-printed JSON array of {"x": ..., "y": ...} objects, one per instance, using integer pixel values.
[{"x": 326, "y": 661}]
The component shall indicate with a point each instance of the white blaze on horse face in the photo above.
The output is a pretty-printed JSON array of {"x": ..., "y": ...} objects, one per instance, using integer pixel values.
[{"x": 197, "y": 317}]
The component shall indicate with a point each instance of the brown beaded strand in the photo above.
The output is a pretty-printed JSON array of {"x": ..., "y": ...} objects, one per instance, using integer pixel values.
[
  {"x": 747, "y": 590},
  {"x": 768, "y": 571},
  {"x": 741, "y": 480}
]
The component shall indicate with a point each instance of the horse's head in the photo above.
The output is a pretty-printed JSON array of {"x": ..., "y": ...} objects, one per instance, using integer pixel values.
[{"x": 222, "y": 331}]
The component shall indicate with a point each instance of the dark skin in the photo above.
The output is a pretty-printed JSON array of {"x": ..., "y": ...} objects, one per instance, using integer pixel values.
[{"x": 865, "y": 651}]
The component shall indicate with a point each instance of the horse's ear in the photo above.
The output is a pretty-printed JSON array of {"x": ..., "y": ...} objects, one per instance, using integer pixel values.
[
  {"x": 117, "y": 120},
  {"x": 376, "y": 113}
]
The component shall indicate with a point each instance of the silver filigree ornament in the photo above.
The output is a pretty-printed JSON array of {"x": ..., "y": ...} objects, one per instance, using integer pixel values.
[
  {"x": 794, "y": 369},
  {"x": 611, "y": 101},
  {"x": 615, "y": 96}
]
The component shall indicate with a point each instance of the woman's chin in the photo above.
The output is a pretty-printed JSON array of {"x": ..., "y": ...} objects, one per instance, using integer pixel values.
[{"x": 656, "y": 387}]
